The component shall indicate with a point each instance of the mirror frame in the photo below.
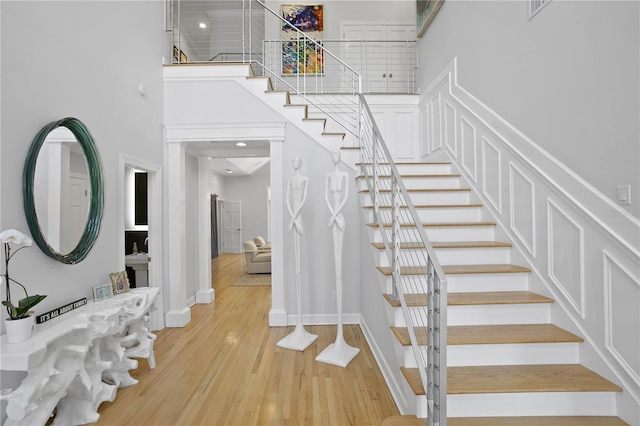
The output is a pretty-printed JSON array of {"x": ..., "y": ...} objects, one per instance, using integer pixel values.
[{"x": 96, "y": 203}]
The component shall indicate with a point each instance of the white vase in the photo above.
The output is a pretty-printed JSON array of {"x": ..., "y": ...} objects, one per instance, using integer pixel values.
[{"x": 19, "y": 330}]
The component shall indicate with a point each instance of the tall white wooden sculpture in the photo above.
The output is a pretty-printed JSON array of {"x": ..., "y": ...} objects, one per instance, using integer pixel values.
[
  {"x": 299, "y": 339},
  {"x": 336, "y": 192}
]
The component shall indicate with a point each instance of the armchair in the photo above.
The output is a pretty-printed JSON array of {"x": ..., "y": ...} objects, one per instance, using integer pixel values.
[{"x": 258, "y": 262}]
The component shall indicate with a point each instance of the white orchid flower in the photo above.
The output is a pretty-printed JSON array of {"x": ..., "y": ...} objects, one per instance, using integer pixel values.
[{"x": 16, "y": 237}]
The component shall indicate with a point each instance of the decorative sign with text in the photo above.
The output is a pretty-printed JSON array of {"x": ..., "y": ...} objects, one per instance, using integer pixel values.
[{"x": 61, "y": 310}]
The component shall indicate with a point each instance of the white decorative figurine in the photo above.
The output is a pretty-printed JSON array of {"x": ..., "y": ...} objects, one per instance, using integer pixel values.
[
  {"x": 336, "y": 191},
  {"x": 299, "y": 339}
]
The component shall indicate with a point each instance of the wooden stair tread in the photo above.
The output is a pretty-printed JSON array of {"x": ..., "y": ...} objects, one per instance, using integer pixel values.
[
  {"x": 498, "y": 268},
  {"x": 366, "y": 191},
  {"x": 492, "y": 334},
  {"x": 476, "y": 298},
  {"x": 517, "y": 379},
  {"x": 449, "y": 245},
  {"x": 258, "y": 77},
  {"x": 436, "y": 225},
  {"x": 409, "y": 420},
  {"x": 431, "y": 206},
  {"x": 410, "y": 163},
  {"x": 410, "y": 176}
]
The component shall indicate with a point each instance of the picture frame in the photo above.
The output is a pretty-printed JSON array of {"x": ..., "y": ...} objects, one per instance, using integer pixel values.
[
  {"x": 119, "y": 282},
  {"x": 426, "y": 10},
  {"x": 300, "y": 56},
  {"x": 101, "y": 292}
]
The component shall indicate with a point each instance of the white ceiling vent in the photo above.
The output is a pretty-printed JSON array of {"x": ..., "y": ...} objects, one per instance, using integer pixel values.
[{"x": 536, "y": 6}]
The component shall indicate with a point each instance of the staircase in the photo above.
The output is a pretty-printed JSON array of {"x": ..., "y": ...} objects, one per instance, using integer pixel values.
[{"x": 506, "y": 363}]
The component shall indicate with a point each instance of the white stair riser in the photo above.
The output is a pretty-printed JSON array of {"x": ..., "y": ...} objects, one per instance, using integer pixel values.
[
  {"x": 501, "y": 354},
  {"x": 426, "y": 198},
  {"x": 439, "y": 182},
  {"x": 349, "y": 156},
  {"x": 458, "y": 256},
  {"x": 531, "y": 404},
  {"x": 418, "y": 168},
  {"x": 513, "y": 354},
  {"x": 463, "y": 283},
  {"x": 433, "y": 215},
  {"x": 530, "y": 313},
  {"x": 438, "y": 233}
]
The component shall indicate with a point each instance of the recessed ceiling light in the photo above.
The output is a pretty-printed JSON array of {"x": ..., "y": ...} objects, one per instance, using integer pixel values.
[
  {"x": 241, "y": 144},
  {"x": 229, "y": 171},
  {"x": 203, "y": 25}
]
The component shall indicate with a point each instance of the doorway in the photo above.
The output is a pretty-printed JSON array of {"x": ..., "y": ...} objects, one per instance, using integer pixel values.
[{"x": 148, "y": 238}]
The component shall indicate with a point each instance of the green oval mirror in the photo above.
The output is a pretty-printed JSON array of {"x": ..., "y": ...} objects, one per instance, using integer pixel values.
[{"x": 63, "y": 190}]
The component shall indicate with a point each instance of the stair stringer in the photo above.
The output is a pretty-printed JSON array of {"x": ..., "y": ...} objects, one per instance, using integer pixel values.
[
  {"x": 501, "y": 164},
  {"x": 375, "y": 327}
]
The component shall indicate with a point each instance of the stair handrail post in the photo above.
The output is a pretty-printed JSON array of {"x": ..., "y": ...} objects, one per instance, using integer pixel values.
[
  {"x": 374, "y": 174},
  {"x": 395, "y": 230}
]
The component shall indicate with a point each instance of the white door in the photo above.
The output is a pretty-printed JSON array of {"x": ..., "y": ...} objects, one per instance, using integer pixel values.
[
  {"x": 231, "y": 227},
  {"x": 383, "y": 66},
  {"x": 76, "y": 212}
]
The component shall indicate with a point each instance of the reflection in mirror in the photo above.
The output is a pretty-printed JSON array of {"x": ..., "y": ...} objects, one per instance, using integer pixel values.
[
  {"x": 64, "y": 190},
  {"x": 61, "y": 190}
]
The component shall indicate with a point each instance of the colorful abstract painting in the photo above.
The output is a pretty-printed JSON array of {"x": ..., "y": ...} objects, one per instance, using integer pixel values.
[{"x": 302, "y": 56}]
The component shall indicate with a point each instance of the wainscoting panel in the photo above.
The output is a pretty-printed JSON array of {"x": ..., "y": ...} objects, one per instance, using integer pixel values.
[
  {"x": 492, "y": 174},
  {"x": 425, "y": 129},
  {"x": 566, "y": 255},
  {"x": 522, "y": 208},
  {"x": 468, "y": 147},
  {"x": 622, "y": 317},
  {"x": 559, "y": 225},
  {"x": 450, "y": 128},
  {"x": 435, "y": 110},
  {"x": 404, "y": 134}
]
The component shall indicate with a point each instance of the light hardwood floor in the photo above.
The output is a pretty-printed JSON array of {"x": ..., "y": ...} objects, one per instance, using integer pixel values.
[{"x": 224, "y": 368}]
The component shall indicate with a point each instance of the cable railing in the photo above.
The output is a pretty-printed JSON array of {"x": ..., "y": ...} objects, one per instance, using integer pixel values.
[{"x": 418, "y": 281}]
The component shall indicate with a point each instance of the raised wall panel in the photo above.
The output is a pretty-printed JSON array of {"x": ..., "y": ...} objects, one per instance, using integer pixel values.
[
  {"x": 566, "y": 256},
  {"x": 468, "y": 147},
  {"x": 491, "y": 174},
  {"x": 450, "y": 128},
  {"x": 425, "y": 129},
  {"x": 404, "y": 134},
  {"x": 622, "y": 318},
  {"x": 435, "y": 109},
  {"x": 522, "y": 208}
]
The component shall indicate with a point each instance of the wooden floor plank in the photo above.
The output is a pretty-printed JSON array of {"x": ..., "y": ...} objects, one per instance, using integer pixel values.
[
  {"x": 492, "y": 334},
  {"x": 224, "y": 368}
]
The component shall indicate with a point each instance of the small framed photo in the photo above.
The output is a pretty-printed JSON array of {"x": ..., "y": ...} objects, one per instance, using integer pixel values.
[
  {"x": 101, "y": 292},
  {"x": 119, "y": 282}
]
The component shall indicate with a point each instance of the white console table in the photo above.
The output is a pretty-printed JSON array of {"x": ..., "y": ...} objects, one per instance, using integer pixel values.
[{"x": 80, "y": 361}]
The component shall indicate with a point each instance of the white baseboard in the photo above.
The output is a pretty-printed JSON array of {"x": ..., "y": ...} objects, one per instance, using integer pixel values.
[
  {"x": 178, "y": 318},
  {"x": 205, "y": 296}
]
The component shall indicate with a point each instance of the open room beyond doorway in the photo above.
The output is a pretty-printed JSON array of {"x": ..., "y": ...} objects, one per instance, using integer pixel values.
[{"x": 235, "y": 178}]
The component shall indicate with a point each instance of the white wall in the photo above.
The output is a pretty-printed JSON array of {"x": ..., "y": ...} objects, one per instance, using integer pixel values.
[
  {"x": 66, "y": 59},
  {"x": 568, "y": 78},
  {"x": 339, "y": 11},
  {"x": 251, "y": 191},
  {"x": 80, "y": 59}
]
